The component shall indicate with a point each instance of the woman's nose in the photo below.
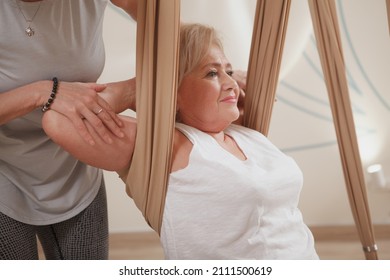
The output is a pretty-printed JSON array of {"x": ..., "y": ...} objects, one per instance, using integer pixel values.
[{"x": 229, "y": 83}]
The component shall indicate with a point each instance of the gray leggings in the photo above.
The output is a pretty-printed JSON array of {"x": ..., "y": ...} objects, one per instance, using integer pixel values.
[{"x": 83, "y": 237}]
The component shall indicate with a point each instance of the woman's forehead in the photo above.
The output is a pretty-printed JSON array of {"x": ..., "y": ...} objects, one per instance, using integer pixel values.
[{"x": 214, "y": 57}]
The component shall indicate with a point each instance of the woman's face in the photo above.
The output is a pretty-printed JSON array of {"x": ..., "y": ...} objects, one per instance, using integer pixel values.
[{"x": 207, "y": 96}]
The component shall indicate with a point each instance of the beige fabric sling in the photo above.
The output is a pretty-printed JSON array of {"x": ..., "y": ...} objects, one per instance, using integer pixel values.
[
  {"x": 269, "y": 32},
  {"x": 324, "y": 17},
  {"x": 156, "y": 78},
  {"x": 388, "y": 13}
]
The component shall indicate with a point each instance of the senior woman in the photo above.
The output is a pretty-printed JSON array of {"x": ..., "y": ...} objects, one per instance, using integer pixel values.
[{"x": 232, "y": 194}]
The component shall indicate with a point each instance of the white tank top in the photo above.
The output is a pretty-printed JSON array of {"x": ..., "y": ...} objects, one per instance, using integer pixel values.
[{"x": 220, "y": 207}]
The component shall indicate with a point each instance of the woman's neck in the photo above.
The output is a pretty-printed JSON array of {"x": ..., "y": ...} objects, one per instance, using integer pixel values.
[{"x": 220, "y": 137}]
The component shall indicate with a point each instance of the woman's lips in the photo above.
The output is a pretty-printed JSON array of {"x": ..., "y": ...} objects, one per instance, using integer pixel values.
[{"x": 230, "y": 99}]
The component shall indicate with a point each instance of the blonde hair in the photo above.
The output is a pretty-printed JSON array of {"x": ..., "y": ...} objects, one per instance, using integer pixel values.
[{"x": 195, "y": 41}]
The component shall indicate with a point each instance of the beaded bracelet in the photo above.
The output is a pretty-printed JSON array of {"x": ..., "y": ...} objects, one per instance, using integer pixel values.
[{"x": 52, "y": 95}]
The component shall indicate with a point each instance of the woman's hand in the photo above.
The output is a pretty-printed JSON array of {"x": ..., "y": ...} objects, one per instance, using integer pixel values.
[
  {"x": 240, "y": 77},
  {"x": 120, "y": 95},
  {"x": 80, "y": 102}
]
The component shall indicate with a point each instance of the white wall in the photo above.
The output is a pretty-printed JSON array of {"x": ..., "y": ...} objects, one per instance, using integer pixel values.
[{"x": 302, "y": 123}]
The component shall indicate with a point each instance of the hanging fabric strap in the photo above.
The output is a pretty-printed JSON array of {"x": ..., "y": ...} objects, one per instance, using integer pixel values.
[
  {"x": 388, "y": 13},
  {"x": 156, "y": 78},
  {"x": 324, "y": 17},
  {"x": 269, "y": 32}
]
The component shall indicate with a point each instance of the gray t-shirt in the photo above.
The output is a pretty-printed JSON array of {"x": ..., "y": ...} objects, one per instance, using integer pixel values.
[{"x": 39, "y": 182}]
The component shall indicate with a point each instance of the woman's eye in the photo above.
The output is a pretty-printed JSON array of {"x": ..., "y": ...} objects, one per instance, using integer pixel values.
[
  {"x": 230, "y": 72},
  {"x": 212, "y": 74}
]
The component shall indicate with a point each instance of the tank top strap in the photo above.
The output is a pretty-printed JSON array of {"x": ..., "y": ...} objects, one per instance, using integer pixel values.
[{"x": 194, "y": 135}]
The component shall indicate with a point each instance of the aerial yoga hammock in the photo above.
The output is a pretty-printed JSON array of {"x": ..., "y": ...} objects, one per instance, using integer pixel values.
[
  {"x": 388, "y": 12},
  {"x": 157, "y": 59}
]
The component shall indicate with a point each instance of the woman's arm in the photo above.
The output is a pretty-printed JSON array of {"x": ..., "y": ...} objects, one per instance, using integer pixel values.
[
  {"x": 129, "y": 6},
  {"x": 113, "y": 157},
  {"x": 76, "y": 101},
  {"x": 23, "y": 100}
]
